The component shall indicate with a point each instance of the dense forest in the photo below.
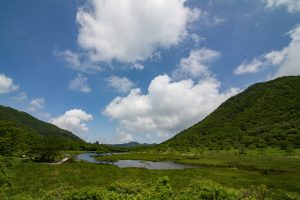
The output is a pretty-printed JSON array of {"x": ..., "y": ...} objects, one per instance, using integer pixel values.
[{"x": 264, "y": 115}]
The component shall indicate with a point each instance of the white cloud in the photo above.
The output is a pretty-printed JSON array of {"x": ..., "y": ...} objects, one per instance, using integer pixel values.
[
  {"x": 37, "y": 103},
  {"x": 290, "y": 65},
  {"x": 77, "y": 61},
  {"x": 36, "y": 108},
  {"x": 137, "y": 66},
  {"x": 21, "y": 97},
  {"x": 131, "y": 30},
  {"x": 249, "y": 68},
  {"x": 7, "y": 84},
  {"x": 210, "y": 20},
  {"x": 80, "y": 84},
  {"x": 214, "y": 21},
  {"x": 285, "y": 61},
  {"x": 167, "y": 107},
  {"x": 197, "y": 38},
  {"x": 120, "y": 84},
  {"x": 124, "y": 137},
  {"x": 73, "y": 120},
  {"x": 276, "y": 57},
  {"x": 195, "y": 65},
  {"x": 292, "y": 6},
  {"x": 171, "y": 105}
]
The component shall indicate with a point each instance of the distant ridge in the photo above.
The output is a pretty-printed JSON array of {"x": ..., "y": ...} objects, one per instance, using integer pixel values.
[
  {"x": 131, "y": 144},
  {"x": 265, "y": 114}
]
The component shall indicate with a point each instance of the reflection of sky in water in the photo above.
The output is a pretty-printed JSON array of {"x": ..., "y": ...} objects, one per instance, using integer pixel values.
[{"x": 89, "y": 157}]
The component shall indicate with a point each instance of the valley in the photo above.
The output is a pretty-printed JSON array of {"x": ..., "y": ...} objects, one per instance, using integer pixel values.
[{"x": 248, "y": 148}]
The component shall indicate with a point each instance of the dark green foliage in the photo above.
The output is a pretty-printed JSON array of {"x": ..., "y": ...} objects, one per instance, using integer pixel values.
[
  {"x": 15, "y": 140},
  {"x": 266, "y": 114},
  {"x": 5, "y": 182},
  {"x": 21, "y": 134},
  {"x": 35, "y": 126},
  {"x": 4, "y": 177},
  {"x": 45, "y": 149}
]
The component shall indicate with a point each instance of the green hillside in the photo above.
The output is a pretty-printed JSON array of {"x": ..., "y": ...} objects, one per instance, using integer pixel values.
[
  {"x": 26, "y": 121},
  {"x": 266, "y": 114},
  {"x": 20, "y": 133}
]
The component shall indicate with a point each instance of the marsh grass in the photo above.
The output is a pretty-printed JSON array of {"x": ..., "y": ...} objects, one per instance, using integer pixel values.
[
  {"x": 265, "y": 162},
  {"x": 35, "y": 179},
  {"x": 25, "y": 179}
]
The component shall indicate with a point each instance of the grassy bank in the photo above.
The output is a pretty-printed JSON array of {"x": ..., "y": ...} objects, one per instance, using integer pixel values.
[{"x": 36, "y": 179}]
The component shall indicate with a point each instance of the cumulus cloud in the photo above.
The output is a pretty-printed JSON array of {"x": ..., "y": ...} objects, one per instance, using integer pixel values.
[
  {"x": 77, "y": 61},
  {"x": 7, "y": 84},
  {"x": 292, "y": 6},
  {"x": 249, "y": 68},
  {"x": 120, "y": 84},
  {"x": 195, "y": 65},
  {"x": 131, "y": 30},
  {"x": 168, "y": 106},
  {"x": 286, "y": 61},
  {"x": 72, "y": 120},
  {"x": 80, "y": 84},
  {"x": 171, "y": 104},
  {"x": 276, "y": 57},
  {"x": 290, "y": 65}
]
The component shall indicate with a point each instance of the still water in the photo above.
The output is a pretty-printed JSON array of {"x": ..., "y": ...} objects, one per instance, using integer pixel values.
[{"x": 90, "y": 157}]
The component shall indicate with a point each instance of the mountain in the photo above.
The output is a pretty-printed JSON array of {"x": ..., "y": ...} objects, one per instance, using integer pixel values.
[
  {"x": 21, "y": 133},
  {"x": 265, "y": 114},
  {"x": 26, "y": 121},
  {"x": 131, "y": 144}
]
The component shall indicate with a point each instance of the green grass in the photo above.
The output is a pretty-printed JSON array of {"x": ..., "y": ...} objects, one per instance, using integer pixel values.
[
  {"x": 35, "y": 179},
  {"x": 266, "y": 163}
]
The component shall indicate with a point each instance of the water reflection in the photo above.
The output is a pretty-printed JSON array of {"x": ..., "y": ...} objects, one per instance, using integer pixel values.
[{"x": 90, "y": 157}]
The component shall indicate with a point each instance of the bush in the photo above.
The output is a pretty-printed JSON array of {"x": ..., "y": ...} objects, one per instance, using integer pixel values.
[
  {"x": 210, "y": 190},
  {"x": 160, "y": 190},
  {"x": 257, "y": 193}
]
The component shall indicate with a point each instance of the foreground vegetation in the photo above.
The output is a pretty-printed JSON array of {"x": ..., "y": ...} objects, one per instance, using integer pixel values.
[{"x": 270, "y": 177}]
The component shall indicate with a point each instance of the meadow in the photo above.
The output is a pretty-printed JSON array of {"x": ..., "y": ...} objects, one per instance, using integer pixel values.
[
  {"x": 234, "y": 177},
  {"x": 266, "y": 161}
]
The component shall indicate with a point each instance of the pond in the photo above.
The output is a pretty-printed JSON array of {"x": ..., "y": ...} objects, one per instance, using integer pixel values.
[{"x": 90, "y": 157}]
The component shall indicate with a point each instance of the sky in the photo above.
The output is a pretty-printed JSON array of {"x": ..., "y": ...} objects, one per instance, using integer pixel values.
[{"x": 140, "y": 70}]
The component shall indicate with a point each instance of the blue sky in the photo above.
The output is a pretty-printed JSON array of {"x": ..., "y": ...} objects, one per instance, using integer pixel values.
[{"x": 140, "y": 70}]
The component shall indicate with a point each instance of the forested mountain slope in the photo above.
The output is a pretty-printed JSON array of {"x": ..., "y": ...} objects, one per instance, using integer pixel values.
[{"x": 265, "y": 114}]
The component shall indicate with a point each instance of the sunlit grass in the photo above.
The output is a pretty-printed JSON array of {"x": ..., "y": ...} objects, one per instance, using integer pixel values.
[{"x": 35, "y": 179}]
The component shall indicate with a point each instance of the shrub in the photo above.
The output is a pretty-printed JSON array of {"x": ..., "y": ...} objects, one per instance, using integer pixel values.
[{"x": 210, "y": 190}]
